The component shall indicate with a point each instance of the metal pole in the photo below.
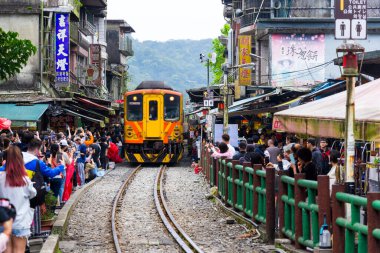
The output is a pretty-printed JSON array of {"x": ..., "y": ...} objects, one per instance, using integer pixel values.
[
  {"x": 208, "y": 72},
  {"x": 225, "y": 101},
  {"x": 349, "y": 152},
  {"x": 41, "y": 42}
]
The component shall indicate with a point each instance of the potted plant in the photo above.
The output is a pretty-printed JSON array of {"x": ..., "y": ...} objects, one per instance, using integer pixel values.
[{"x": 47, "y": 218}]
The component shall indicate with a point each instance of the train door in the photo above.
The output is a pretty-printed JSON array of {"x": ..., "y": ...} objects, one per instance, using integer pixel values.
[{"x": 153, "y": 112}]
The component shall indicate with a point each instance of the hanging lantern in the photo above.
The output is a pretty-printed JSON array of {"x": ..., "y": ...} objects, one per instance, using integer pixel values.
[
  {"x": 204, "y": 111},
  {"x": 350, "y": 64},
  {"x": 221, "y": 106}
]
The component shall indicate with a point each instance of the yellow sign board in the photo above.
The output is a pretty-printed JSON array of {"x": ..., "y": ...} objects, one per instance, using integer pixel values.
[{"x": 244, "y": 58}]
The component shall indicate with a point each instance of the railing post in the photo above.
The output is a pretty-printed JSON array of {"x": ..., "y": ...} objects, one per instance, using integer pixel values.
[
  {"x": 217, "y": 172},
  {"x": 299, "y": 195},
  {"x": 207, "y": 165},
  {"x": 245, "y": 180},
  {"x": 214, "y": 164},
  {"x": 282, "y": 190},
  {"x": 324, "y": 201},
  {"x": 226, "y": 173},
  {"x": 234, "y": 186},
  {"x": 256, "y": 183},
  {"x": 337, "y": 211},
  {"x": 374, "y": 217},
  {"x": 270, "y": 204}
]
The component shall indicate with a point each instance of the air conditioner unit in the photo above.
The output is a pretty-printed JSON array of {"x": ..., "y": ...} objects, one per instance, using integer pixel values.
[{"x": 277, "y": 5}]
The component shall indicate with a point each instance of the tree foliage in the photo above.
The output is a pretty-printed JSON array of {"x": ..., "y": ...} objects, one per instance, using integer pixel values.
[
  {"x": 14, "y": 53},
  {"x": 219, "y": 49}
]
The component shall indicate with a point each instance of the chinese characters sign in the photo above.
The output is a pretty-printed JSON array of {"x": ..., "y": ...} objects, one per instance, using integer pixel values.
[
  {"x": 94, "y": 71},
  {"x": 62, "y": 49},
  {"x": 244, "y": 58},
  {"x": 351, "y": 19},
  {"x": 297, "y": 59}
]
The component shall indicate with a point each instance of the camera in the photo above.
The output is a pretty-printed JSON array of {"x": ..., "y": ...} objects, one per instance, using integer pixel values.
[{"x": 7, "y": 210}]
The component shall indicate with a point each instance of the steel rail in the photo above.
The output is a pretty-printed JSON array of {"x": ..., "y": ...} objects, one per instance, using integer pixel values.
[
  {"x": 115, "y": 206},
  {"x": 170, "y": 223}
]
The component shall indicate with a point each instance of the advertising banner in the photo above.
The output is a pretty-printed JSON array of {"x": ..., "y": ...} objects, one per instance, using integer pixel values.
[
  {"x": 244, "y": 57},
  {"x": 297, "y": 59},
  {"x": 62, "y": 49}
]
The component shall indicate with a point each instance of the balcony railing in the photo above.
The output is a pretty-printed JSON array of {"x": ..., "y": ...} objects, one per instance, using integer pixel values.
[
  {"x": 125, "y": 45},
  {"x": 74, "y": 31},
  {"x": 87, "y": 27}
]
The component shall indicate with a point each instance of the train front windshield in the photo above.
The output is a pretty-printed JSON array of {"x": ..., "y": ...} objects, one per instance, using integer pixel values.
[
  {"x": 134, "y": 108},
  {"x": 171, "y": 107}
]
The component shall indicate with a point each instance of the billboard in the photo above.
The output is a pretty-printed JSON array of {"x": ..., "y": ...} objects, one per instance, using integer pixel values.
[
  {"x": 297, "y": 59},
  {"x": 94, "y": 72},
  {"x": 244, "y": 57},
  {"x": 62, "y": 49}
]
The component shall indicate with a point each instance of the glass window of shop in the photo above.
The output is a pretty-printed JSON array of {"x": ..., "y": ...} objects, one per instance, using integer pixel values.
[
  {"x": 134, "y": 107},
  {"x": 172, "y": 107}
]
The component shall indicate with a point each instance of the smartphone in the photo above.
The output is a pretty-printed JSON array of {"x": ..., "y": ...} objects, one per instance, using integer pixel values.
[{"x": 59, "y": 157}]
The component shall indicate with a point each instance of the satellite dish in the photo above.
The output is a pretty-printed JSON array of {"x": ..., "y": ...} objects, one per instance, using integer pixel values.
[{"x": 213, "y": 57}]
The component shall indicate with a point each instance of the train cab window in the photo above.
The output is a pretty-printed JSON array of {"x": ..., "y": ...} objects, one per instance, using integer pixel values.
[
  {"x": 153, "y": 110},
  {"x": 172, "y": 107},
  {"x": 134, "y": 107}
]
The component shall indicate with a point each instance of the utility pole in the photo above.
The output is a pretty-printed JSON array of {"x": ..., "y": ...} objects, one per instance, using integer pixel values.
[
  {"x": 350, "y": 72},
  {"x": 225, "y": 98},
  {"x": 208, "y": 72}
]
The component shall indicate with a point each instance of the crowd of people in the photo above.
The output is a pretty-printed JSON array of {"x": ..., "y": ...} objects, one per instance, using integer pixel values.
[
  {"x": 283, "y": 154},
  {"x": 34, "y": 164}
]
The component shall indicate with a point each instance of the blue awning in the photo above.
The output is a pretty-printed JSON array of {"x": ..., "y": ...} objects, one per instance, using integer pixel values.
[{"x": 15, "y": 112}]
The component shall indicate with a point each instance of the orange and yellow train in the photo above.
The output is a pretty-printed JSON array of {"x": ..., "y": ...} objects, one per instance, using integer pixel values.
[{"x": 153, "y": 124}]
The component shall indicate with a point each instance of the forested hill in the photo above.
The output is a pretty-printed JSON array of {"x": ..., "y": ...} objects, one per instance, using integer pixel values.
[{"x": 176, "y": 62}]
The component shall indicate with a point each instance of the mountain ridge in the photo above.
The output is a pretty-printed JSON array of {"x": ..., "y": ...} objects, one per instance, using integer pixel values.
[{"x": 176, "y": 62}]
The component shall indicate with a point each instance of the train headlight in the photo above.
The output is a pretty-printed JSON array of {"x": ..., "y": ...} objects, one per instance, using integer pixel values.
[
  {"x": 171, "y": 98},
  {"x": 134, "y": 98}
]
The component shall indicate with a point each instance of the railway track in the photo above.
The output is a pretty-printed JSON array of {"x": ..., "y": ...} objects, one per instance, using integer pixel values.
[
  {"x": 123, "y": 235},
  {"x": 181, "y": 237}
]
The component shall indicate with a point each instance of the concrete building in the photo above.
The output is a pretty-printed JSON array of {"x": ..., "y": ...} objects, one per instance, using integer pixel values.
[
  {"x": 295, "y": 39},
  {"x": 119, "y": 49},
  {"x": 73, "y": 89}
]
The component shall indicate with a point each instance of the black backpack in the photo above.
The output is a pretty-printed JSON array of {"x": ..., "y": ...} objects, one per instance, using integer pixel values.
[{"x": 39, "y": 185}]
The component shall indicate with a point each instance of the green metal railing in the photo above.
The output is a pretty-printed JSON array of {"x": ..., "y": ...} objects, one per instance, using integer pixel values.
[
  {"x": 230, "y": 184},
  {"x": 221, "y": 178},
  {"x": 289, "y": 208},
  {"x": 353, "y": 226},
  {"x": 238, "y": 181},
  {"x": 248, "y": 185},
  {"x": 212, "y": 173},
  {"x": 376, "y": 206},
  {"x": 261, "y": 190},
  {"x": 309, "y": 210}
]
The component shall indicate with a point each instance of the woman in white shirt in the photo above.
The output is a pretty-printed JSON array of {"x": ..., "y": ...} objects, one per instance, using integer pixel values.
[
  {"x": 334, "y": 174},
  {"x": 17, "y": 187}
]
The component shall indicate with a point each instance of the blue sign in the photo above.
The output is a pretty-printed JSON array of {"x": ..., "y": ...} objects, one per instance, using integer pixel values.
[{"x": 62, "y": 48}]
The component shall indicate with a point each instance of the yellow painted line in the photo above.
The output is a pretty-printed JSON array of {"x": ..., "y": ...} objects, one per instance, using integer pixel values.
[{"x": 138, "y": 127}]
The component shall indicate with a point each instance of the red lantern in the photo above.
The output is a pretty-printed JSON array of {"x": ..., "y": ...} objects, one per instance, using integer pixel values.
[
  {"x": 350, "y": 64},
  {"x": 220, "y": 106},
  {"x": 204, "y": 111}
]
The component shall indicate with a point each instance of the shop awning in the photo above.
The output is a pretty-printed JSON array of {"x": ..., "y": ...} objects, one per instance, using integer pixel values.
[
  {"x": 95, "y": 105},
  {"x": 325, "y": 117},
  {"x": 240, "y": 104},
  {"x": 22, "y": 112},
  {"x": 89, "y": 113},
  {"x": 100, "y": 122}
]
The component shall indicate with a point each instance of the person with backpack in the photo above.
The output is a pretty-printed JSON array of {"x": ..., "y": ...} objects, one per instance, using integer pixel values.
[{"x": 18, "y": 188}]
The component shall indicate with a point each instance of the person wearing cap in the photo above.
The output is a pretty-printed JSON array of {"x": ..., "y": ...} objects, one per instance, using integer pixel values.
[{"x": 316, "y": 155}]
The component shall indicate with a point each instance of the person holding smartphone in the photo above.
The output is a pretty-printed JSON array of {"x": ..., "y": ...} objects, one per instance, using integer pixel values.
[{"x": 56, "y": 159}]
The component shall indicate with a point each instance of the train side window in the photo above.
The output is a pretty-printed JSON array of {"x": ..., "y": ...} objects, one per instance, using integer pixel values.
[
  {"x": 172, "y": 107},
  {"x": 134, "y": 107},
  {"x": 153, "y": 110}
]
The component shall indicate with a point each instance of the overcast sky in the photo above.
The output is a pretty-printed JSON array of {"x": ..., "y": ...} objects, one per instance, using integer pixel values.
[{"x": 163, "y": 20}]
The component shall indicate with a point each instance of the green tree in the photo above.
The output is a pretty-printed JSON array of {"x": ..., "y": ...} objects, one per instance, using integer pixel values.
[
  {"x": 14, "y": 53},
  {"x": 219, "y": 49}
]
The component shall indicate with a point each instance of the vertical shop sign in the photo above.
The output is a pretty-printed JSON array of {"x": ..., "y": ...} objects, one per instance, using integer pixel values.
[
  {"x": 62, "y": 49},
  {"x": 244, "y": 58},
  {"x": 94, "y": 76}
]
